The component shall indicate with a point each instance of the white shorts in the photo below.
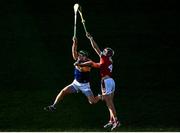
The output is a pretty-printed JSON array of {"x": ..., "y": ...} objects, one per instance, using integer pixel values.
[
  {"x": 107, "y": 86},
  {"x": 83, "y": 87}
]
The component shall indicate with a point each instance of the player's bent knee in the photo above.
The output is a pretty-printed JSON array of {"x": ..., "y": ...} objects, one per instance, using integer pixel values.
[{"x": 92, "y": 102}]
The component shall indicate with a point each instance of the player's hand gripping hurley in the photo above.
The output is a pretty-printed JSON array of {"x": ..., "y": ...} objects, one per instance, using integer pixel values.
[{"x": 76, "y": 6}]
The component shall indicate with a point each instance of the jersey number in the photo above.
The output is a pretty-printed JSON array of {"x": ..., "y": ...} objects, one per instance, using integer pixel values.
[{"x": 110, "y": 67}]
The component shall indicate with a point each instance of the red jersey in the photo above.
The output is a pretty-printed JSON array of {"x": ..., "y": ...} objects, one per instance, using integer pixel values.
[{"x": 105, "y": 66}]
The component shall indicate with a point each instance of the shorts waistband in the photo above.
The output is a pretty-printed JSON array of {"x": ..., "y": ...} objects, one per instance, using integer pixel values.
[
  {"x": 105, "y": 77},
  {"x": 82, "y": 81}
]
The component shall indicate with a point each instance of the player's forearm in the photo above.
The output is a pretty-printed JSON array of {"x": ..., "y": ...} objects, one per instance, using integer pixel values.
[
  {"x": 95, "y": 65},
  {"x": 95, "y": 46},
  {"x": 74, "y": 50},
  {"x": 88, "y": 63}
]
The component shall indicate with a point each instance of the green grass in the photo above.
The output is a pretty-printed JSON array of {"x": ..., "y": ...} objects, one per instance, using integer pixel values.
[{"x": 22, "y": 110}]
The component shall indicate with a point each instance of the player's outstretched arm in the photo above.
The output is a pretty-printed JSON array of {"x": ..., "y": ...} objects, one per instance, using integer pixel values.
[
  {"x": 94, "y": 44},
  {"x": 87, "y": 63},
  {"x": 74, "y": 48}
]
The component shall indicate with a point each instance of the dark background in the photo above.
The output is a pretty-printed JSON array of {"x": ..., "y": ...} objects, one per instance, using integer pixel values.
[{"x": 36, "y": 63}]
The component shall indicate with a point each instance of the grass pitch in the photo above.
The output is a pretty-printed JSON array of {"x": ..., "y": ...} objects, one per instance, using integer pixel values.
[{"x": 22, "y": 110}]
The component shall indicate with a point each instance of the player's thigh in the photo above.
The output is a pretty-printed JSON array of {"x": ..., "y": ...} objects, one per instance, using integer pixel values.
[
  {"x": 108, "y": 99},
  {"x": 112, "y": 95},
  {"x": 69, "y": 89}
]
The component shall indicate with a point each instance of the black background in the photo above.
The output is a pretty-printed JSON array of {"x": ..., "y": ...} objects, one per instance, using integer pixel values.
[{"x": 36, "y": 40}]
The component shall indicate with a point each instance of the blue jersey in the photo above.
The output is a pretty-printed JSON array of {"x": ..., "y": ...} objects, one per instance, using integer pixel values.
[{"x": 82, "y": 77}]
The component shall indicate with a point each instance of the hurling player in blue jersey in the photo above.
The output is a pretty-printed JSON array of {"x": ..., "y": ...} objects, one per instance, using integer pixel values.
[{"x": 81, "y": 79}]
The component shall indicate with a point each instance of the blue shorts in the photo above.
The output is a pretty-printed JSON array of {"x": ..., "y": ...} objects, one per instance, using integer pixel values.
[{"x": 107, "y": 86}]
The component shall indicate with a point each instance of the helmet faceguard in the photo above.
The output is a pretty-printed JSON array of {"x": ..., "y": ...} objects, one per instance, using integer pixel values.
[{"x": 83, "y": 53}]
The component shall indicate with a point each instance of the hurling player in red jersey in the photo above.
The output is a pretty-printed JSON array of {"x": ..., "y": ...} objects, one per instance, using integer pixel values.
[{"x": 107, "y": 82}]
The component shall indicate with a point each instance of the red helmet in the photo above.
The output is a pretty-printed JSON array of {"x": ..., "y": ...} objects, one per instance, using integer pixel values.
[{"x": 109, "y": 51}]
